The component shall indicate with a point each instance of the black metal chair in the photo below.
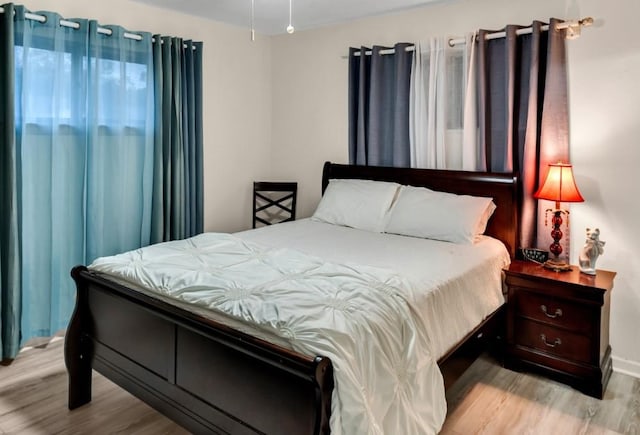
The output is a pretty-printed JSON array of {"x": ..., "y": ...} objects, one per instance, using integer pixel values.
[{"x": 274, "y": 202}]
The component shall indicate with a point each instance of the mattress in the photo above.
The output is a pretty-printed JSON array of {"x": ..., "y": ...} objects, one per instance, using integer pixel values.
[{"x": 382, "y": 307}]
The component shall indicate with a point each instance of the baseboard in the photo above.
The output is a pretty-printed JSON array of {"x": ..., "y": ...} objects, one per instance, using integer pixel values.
[
  {"x": 627, "y": 367},
  {"x": 40, "y": 342}
]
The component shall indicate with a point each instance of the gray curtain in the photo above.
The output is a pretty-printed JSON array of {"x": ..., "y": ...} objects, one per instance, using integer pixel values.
[
  {"x": 177, "y": 210},
  {"x": 523, "y": 114},
  {"x": 379, "y": 106},
  {"x": 10, "y": 269}
]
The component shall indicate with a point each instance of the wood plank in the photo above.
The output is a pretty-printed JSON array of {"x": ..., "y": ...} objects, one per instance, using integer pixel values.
[
  {"x": 490, "y": 399},
  {"x": 33, "y": 400}
]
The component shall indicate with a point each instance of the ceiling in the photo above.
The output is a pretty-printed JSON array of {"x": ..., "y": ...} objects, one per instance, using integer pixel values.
[{"x": 272, "y": 16}]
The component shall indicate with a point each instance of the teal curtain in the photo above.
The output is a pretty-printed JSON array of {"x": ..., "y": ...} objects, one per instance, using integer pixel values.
[
  {"x": 178, "y": 174},
  {"x": 77, "y": 143},
  {"x": 9, "y": 242}
]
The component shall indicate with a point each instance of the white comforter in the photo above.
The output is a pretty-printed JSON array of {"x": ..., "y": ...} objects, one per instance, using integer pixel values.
[{"x": 387, "y": 380}]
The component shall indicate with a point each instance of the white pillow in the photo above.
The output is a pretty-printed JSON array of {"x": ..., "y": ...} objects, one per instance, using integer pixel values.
[
  {"x": 420, "y": 212},
  {"x": 362, "y": 204}
]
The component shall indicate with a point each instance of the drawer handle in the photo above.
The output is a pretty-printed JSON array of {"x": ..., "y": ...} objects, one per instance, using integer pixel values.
[
  {"x": 558, "y": 312},
  {"x": 556, "y": 342}
]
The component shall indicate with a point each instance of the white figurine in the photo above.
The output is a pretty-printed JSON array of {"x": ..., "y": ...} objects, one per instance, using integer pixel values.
[{"x": 592, "y": 249}]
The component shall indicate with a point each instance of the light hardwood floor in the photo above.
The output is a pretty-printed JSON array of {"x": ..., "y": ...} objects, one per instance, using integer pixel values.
[{"x": 487, "y": 399}]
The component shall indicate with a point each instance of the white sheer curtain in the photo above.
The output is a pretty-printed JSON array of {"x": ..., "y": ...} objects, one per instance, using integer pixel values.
[{"x": 443, "y": 125}]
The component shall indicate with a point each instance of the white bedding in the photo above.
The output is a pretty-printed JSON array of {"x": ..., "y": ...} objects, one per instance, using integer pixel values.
[
  {"x": 373, "y": 303},
  {"x": 454, "y": 286}
]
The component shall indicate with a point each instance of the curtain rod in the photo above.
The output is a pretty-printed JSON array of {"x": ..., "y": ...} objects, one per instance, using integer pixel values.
[
  {"x": 573, "y": 30},
  {"x": 572, "y": 26},
  {"x": 74, "y": 25}
]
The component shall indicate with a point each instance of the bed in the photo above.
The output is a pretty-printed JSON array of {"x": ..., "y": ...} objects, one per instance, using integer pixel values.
[{"x": 215, "y": 377}]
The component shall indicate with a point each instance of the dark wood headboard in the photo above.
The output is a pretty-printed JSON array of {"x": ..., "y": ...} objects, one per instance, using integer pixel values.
[{"x": 503, "y": 188}]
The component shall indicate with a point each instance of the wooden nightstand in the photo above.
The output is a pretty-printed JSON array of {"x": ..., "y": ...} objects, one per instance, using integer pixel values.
[{"x": 558, "y": 325}]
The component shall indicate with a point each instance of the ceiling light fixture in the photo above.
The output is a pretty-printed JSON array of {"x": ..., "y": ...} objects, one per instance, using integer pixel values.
[
  {"x": 290, "y": 28},
  {"x": 253, "y": 30}
]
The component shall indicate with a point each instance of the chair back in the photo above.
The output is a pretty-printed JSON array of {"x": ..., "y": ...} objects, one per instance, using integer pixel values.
[{"x": 274, "y": 202}]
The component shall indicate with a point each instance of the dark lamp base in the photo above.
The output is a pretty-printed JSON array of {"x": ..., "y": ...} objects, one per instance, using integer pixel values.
[{"x": 557, "y": 266}]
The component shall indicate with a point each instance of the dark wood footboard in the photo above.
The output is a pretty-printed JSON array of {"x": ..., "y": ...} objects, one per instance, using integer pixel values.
[{"x": 207, "y": 377}]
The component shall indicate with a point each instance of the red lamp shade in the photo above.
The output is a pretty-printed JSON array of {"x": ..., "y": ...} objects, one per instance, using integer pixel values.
[{"x": 559, "y": 185}]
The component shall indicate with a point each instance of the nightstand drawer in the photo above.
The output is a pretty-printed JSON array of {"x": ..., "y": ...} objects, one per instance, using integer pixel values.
[
  {"x": 558, "y": 312},
  {"x": 555, "y": 341}
]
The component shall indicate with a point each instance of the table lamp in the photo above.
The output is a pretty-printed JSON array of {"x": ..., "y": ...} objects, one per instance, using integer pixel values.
[{"x": 559, "y": 186}]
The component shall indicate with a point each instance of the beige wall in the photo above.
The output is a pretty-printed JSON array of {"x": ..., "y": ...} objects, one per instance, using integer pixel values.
[
  {"x": 310, "y": 118},
  {"x": 237, "y": 98}
]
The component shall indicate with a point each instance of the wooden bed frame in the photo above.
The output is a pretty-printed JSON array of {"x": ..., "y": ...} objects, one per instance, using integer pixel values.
[{"x": 211, "y": 378}]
